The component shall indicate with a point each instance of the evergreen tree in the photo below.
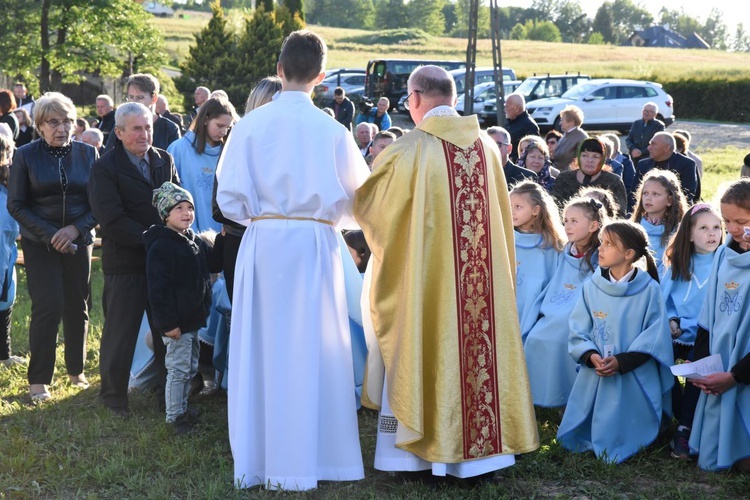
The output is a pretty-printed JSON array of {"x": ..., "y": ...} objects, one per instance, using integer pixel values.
[
  {"x": 267, "y": 5},
  {"x": 257, "y": 52},
  {"x": 289, "y": 22},
  {"x": 296, "y": 7},
  {"x": 427, "y": 15},
  {"x": 209, "y": 62}
]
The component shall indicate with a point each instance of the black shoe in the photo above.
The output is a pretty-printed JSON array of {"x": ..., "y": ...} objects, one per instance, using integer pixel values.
[
  {"x": 184, "y": 424},
  {"x": 193, "y": 413}
]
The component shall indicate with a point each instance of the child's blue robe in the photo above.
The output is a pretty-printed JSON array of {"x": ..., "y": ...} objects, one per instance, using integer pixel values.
[
  {"x": 684, "y": 299},
  {"x": 616, "y": 416},
  {"x": 551, "y": 371},
  {"x": 721, "y": 427},
  {"x": 197, "y": 173},
  {"x": 8, "y": 252},
  {"x": 654, "y": 238},
  {"x": 534, "y": 268}
]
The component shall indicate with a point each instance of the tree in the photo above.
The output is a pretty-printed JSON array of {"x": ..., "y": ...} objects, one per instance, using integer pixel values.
[
  {"x": 62, "y": 40},
  {"x": 267, "y": 5},
  {"x": 209, "y": 62},
  {"x": 715, "y": 31},
  {"x": 343, "y": 13},
  {"x": 289, "y": 22},
  {"x": 741, "y": 39},
  {"x": 390, "y": 14},
  {"x": 596, "y": 38},
  {"x": 627, "y": 17},
  {"x": 461, "y": 27},
  {"x": 572, "y": 22},
  {"x": 544, "y": 31},
  {"x": 679, "y": 21},
  {"x": 427, "y": 15},
  {"x": 518, "y": 32},
  {"x": 296, "y": 7},
  {"x": 258, "y": 50},
  {"x": 603, "y": 23}
]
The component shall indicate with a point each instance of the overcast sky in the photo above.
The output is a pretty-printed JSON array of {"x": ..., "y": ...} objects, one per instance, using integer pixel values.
[{"x": 737, "y": 11}]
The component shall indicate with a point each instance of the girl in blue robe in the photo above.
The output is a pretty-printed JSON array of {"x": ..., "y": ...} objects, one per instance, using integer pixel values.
[
  {"x": 538, "y": 238},
  {"x": 619, "y": 334},
  {"x": 687, "y": 268},
  {"x": 721, "y": 427},
  {"x": 196, "y": 155},
  {"x": 8, "y": 255},
  {"x": 659, "y": 208},
  {"x": 545, "y": 330}
]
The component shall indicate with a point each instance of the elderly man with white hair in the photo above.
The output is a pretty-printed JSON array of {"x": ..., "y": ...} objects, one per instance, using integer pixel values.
[
  {"x": 120, "y": 191},
  {"x": 663, "y": 155},
  {"x": 453, "y": 389},
  {"x": 520, "y": 123},
  {"x": 643, "y": 130}
]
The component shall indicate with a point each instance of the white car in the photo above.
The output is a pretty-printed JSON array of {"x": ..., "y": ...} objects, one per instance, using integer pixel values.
[
  {"x": 607, "y": 104},
  {"x": 484, "y": 93}
]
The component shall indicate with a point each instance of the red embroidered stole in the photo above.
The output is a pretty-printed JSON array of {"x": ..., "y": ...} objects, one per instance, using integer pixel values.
[{"x": 467, "y": 172}]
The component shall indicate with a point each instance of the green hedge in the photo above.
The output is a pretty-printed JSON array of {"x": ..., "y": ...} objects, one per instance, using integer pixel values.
[{"x": 725, "y": 101}]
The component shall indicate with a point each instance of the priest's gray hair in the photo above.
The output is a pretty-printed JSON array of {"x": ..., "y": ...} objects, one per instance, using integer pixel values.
[{"x": 128, "y": 110}]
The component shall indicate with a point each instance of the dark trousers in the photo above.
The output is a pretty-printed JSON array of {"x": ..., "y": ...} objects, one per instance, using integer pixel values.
[
  {"x": 684, "y": 399},
  {"x": 5, "y": 334},
  {"x": 124, "y": 300},
  {"x": 231, "y": 249},
  {"x": 59, "y": 289}
]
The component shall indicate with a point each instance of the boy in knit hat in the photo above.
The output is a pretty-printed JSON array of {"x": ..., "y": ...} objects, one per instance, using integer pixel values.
[{"x": 179, "y": 295}]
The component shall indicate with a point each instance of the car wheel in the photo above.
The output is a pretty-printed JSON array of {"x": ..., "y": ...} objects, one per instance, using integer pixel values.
[
  {"x": 557, "y": 125},
  {"x": 659, "y": 117}
]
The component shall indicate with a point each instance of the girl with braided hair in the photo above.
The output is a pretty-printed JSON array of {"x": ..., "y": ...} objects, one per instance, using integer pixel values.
[{"x": 620, "y": 337}]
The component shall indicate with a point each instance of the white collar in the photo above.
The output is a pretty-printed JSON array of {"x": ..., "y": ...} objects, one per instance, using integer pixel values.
[
  {"x": 624, "y": 279},
  {"x": 441, "y": 111}
]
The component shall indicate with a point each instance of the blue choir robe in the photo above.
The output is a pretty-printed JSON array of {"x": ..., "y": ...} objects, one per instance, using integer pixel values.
[
  {"x": 551, "y": 371},
  {"x": 654, "y": 238},
  {"x": 616, "y": 416},
  {"x": 721, "y": 426},
  {"x": 8, "y": 252},
  {"x": 197, "y": 173},
  {"x": 684, "y": 299},
  {"x": 534, "y": 268}
]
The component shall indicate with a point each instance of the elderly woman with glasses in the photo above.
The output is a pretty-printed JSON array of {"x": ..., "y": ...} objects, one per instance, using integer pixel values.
[{"x": 47, "y": 196}]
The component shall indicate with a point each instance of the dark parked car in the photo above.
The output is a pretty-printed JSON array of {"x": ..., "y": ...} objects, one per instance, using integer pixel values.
[{"x": 387, "y": 77}]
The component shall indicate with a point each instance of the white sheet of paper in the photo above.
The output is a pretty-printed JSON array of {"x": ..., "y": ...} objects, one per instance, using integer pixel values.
[{"x": 699, "y": 369}]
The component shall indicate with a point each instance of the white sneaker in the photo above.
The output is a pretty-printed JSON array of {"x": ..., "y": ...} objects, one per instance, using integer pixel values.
[{"x": 12, "y": 361}]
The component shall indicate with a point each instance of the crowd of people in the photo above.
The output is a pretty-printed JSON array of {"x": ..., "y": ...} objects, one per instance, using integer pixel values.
[{"x": 471, "y": 275}]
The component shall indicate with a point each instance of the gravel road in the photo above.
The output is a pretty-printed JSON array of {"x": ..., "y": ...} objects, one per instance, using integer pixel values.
[{"x": 704, "y": 135}]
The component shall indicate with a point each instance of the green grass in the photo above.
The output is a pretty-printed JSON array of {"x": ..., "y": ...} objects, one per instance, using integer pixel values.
[
  {"x": 352, "y": 48},
  {"x": 71, "y": 447}
]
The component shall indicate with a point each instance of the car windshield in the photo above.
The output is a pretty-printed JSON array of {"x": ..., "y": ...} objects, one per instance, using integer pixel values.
[
  {"x": 578, "y": 91},
  {"x": 527, "y": 86}
]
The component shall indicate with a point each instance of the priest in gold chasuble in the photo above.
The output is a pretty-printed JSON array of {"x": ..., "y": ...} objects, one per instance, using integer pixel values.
[{"x": 435, "y": 212}]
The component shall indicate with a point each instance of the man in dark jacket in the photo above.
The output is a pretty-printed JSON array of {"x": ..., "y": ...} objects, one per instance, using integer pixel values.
[
  {"x": 144, "y": 89},
  {"x": 343, "y": 108},
  {"x": 120, "y": 191},
  {"x": 513, "y": 173},
  {"x": 106, "y": 112},
  {"x": 520, "y": 123},
  {"x": 642, "y": 131},
  {"x": 663, "y": 156}
]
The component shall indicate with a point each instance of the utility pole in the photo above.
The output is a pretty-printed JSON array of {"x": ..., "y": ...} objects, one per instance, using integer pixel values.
[
  {"x": 471, "y": 60},
  {"x": 497, "y": 61}
]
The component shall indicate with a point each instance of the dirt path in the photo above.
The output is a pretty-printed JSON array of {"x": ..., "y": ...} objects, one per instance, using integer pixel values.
[{"x": 704, "y": 135}]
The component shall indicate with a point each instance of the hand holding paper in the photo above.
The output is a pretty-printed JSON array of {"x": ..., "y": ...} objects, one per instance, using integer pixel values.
[{"x": 698, "y": 370}]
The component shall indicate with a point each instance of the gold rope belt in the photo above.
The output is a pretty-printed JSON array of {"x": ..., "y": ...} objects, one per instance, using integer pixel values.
[{"x": 286, "y": 217}]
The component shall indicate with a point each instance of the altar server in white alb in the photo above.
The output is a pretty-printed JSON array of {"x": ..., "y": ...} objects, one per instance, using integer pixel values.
[{"x": 289, "y": 174}]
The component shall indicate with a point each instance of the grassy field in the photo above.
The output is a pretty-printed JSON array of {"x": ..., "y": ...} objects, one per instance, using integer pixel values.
[
  {"x": 353, "y": 48},
  {"x": 72, "y": 448}
]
